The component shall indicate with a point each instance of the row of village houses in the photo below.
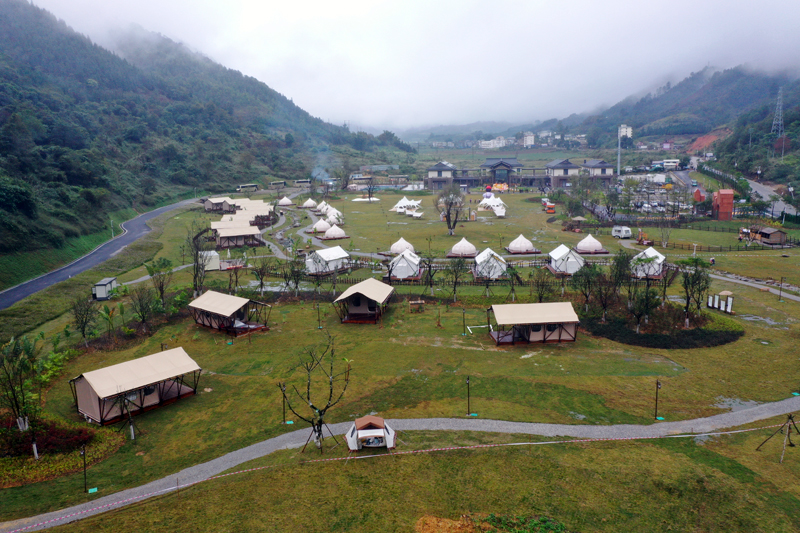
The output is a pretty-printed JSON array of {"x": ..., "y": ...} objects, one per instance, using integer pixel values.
[{"x": 557, "y": 173}]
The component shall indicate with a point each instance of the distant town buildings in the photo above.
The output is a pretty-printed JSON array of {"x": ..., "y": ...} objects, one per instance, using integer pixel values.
[
  {"x": 528, "y": 139},
  {"x": 626, "y": 131}
]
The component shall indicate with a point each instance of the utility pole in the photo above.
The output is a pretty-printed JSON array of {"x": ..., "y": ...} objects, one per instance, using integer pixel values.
[
  {"x": 619, "y": 150},
  {"x": 112, "y": 227},
  {"x": 777, "y": 122}
]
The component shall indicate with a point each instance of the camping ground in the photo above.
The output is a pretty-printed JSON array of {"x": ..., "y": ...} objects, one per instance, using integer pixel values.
[{"x": 413, "y": 366}]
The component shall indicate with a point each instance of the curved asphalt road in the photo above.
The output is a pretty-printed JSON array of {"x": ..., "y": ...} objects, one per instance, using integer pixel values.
[
  {"x": 134, "y": 229},
  {"x": 297, "y": 439}
]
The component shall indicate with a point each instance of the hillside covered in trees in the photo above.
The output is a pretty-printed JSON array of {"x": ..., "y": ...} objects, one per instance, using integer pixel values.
[{"x": 85, "y": 132}]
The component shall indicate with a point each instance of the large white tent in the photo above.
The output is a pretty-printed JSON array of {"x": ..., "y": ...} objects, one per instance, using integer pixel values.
[
  {"x": 309, "y": 204},
  {"x": 491, "y": 203},
  {"x": 405, "y": 203},
  {"x": 400, "y": 246},
  {"x": 370, "y": 432},
  {"x": 489, "y": 265},
  {"x": 321, "y": 206},
  {"x": 405, "y": 265},
  {"x": 647, "y": 264},
  {"x": 521, "y": 245},
  {"x": 463, "y": 248},
  {"x": 320, "y": 226},
  {"x": 564, "y": 260},
  {"x": 590, "y": 245},
  {"x": 335, "y": 217},
  {"x": 335, "y": 232},
  {"x": 327, "y": 260},
  {"x": 285, "y": 202}
]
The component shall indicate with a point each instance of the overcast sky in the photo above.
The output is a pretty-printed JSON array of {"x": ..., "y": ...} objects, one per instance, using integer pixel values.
[{"x": 405, "y": 63}]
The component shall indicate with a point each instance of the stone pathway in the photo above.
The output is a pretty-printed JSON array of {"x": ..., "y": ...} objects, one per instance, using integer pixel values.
[{"x": 297, "y": 439}]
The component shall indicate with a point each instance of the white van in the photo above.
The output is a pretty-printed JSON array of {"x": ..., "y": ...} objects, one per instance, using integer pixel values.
[{"x": 621, "y": 232}]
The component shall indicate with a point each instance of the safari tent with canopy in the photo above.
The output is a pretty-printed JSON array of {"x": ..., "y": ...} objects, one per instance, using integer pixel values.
[
  {"x": 565, "y": 261},
  {"x": 370, "y": 432},
  {"x": 109, "y": 394},
  {"x": 239, "y": 236},
  {"x": 489, "y": 265},
  {"x": 543, "y": 322},
  {"x": 364, "y": 302},
  {"x": 405, "y": 266},
  {"x": 327, "y": 261},
  {"x": 231, "y": 314},
  {"x": 648, "y": 264}
]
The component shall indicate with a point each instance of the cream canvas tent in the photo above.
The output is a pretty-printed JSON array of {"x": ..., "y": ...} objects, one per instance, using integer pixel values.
[
  {"x": 364, "y": 302},
  {"x": 321, "y": 206},
  {"x": 590, "y": 245},
  {"x": 334, "y": 233},
  {"x": 285, "y": 202},
  {"x": 334, "y": 217},
  {"x": 327, "y": 260},
  {"x": 370, "y": 432},
  {"x": 489, "y": 265},
  {"x": 463, "y": 248},
  {"x": 114, "y": 392},
  {"x": 309, "y": 204},
  {"x": 321, "y": 226},
  {"x": 215, "y": 204},
  {"x": 405, "y": 266},
  {"x": 564, "y": 261},
  {"x": 521, "y": 245},
  {"x": 239, "y": 236},
  {"x": 401, "y": 246},
  {"x": 544, "y": 322},
  {"x": 231, "y": 314},
  {"x": 648, "y": 264}
]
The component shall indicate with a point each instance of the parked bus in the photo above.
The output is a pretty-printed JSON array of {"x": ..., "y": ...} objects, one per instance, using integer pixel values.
[{"x": 247, "y": 187}]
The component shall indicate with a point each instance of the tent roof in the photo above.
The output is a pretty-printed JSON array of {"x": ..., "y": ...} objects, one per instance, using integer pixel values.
[
  {"x": 371, "y": 288},
  {"x": 330, "y": 254},
  {"x": 401, "y": 246},
  {"x": 408, "y": 255},
  {"x": 589, "y": 244},
  {"x": 334, "y": 231},
  {"x": 238, "y": 230},
  {"x": 218, "y": 303},
  {"x": 545, "y": 313},
  {"x": 225, "y": 224},
  {"x": 648, "y": 253},
  {"x": 464, "y": 247},
  {"x": 138, "y": 373},
  {"x": 309, "y": 203},
  {"x": 487, "y": 254},
  {"x": 560, "y": 251},
  {"x": 219, "y": 200},
  {"x": 370, "y": 421},
  {"x": 520, "y": 244}
]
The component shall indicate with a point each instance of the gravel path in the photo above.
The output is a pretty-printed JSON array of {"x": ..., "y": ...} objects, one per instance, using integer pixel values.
[{"x": 297, "y": 439}]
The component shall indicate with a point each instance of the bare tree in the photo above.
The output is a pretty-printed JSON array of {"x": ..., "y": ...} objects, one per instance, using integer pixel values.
[
  {"x": 292, "y": 272},
  {"x": 541, "y": 283},
  {"x": 322, "y": 380},
  {"x": 261, "y": 269},
  {"x": 456, "y": 271},
  {"x": 142, "y": 301},
  {"x": 665, "y": 228},
  {"x": 196, "y": 248},
  {"x": 235, "y": 270},
  {"x": 372, "y": 186},
  {"x": 450, "y": 205},
  {"x": 427, "y": 261},
  {"x": 84, "y": 316},
  {"x": 605, "y": 293},
  {"x": 160, "y": 272}
]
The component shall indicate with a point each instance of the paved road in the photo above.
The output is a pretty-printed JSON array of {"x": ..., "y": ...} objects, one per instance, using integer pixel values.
[
  {"x": 765, "y": 192},
  {"x": 297, "y": 439},
  {"x": 134, "y": 229}
]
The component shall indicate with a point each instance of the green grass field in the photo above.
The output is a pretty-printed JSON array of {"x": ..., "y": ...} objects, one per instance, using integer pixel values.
[{"x": 410, "y": 367}]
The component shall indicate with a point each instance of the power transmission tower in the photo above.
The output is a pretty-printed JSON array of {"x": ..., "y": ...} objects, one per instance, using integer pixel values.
[{"x": 777, "y": 121}]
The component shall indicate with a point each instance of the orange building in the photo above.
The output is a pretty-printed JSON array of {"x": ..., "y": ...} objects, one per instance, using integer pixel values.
[
  {"x": 722, "y": 204},
  {"x": 699, "y": 196}
]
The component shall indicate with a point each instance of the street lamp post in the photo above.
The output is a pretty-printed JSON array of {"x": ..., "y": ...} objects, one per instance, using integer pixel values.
[
  {"x": 469, "y": 411},
  {"x": 83, "y": 454},
  {"x": 655, "y": 416}
]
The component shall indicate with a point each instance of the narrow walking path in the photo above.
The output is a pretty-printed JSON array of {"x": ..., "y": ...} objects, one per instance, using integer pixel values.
[{"x": 297, "y": 439}]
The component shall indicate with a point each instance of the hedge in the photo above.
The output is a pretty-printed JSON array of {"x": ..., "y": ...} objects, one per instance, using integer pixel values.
[{"x": 718, "y": 331}]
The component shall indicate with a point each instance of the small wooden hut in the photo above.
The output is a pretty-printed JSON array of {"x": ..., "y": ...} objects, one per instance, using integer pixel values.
[{"x": 231, "y": 314}]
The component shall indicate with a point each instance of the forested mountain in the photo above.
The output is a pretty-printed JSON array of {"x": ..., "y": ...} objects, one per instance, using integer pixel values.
[
  {"x": 84, "y": 131},
  {"x": 703, "y": 101}
]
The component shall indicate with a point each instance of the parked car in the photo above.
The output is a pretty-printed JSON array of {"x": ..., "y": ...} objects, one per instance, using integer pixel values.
[{"x": 621, "y": 232}]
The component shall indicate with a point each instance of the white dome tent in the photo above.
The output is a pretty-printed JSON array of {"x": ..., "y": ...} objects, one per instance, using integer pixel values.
[
  {"x": 309, "y": 204},
  {"x": 335, "y": 217},
  {"x": 405, "y": 266},
  {"x": 334, "y": 233},
  {"x": 648, "y": 264},
  {"x": 565, "y": 261},
  {"x": 463, "y": 248},
  {"x": 590, "y": 245},
  {"x": 285, "y": 202},
  {"x": 521, "y": 245},
  {"x": 321, "y": 206},
  {"x": 401, "y": 246},
  {"x": 489, "y": 265},
  {"x": 321, "y": 226}
]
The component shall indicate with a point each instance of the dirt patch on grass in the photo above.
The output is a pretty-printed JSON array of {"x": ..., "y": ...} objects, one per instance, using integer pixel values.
[
  {"x": 704, "y": 141},
  {"x": 433, "y": 524}
]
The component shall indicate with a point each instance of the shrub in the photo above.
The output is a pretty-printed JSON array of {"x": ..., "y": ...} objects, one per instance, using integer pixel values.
[{"x": 51, "y": 437}]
